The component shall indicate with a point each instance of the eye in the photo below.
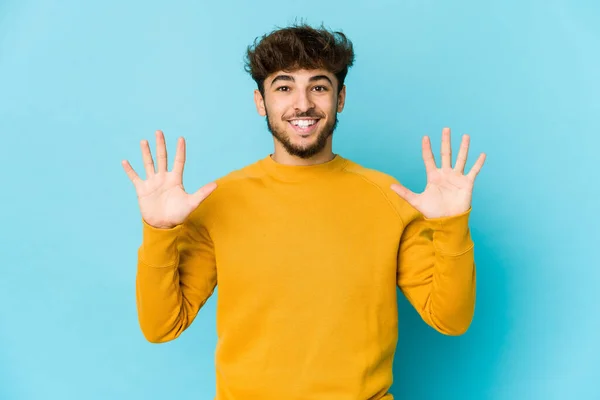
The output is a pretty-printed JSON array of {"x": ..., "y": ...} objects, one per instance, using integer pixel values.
[
  {"x": 282, "y": 88},
  {"x": 320, "y": 88}
]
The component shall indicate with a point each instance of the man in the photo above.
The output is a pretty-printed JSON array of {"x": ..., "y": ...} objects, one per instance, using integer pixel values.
[{"x": 308, "y": 248}]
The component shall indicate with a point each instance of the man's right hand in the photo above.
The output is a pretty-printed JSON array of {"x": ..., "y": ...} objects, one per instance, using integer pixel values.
[{"x": 162, "y": 199}]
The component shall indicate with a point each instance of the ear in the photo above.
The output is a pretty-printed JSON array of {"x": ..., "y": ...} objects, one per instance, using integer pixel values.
[
  {"x": 260, "y": 103},
  {"x": 341, "y": 99}
]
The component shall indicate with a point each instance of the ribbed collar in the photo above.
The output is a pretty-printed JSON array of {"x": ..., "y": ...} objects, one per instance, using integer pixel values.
[{"x": 295, "y": 173}]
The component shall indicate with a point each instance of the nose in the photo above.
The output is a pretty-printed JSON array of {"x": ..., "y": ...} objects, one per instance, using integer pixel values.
[{"x": 303, "y": 101}]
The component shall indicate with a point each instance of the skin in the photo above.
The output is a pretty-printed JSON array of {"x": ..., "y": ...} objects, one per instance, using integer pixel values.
[
  {"x": 301, "y": 94},
  {"x": 449, "y": 190}
]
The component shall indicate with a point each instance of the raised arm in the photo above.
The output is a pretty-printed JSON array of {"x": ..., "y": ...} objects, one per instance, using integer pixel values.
[
  {"x": 436, "y": 271},
  {"x": 176, "y": 271},
  {"x": 436, "y": 268}
]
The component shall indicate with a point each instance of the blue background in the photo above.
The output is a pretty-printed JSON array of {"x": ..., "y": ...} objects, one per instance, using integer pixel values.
[{"x": 82, "y": 83}]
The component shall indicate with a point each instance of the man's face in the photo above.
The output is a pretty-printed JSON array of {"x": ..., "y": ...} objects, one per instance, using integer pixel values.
[{"x": 301, "y": 109}]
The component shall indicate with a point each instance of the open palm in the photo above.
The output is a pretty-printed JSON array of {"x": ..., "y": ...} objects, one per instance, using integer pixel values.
[
  {"x": 162, "y": 198},
  {"x": 448, "y": 191}
]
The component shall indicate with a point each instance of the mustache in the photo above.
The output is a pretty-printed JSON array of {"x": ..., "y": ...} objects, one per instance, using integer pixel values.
[{"x": 308, "y": 114}]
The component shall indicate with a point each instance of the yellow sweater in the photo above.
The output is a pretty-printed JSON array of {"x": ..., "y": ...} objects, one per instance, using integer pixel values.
[{"x": 307, "y": 260}]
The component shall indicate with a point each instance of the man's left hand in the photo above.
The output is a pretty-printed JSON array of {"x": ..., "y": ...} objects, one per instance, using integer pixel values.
[{"x": 449, "y": 190}]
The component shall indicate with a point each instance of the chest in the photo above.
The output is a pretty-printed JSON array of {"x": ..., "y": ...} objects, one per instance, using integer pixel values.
[{"x": 279, "y": 240}]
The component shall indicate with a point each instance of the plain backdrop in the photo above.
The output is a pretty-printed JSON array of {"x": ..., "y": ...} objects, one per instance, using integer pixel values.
[{"x": 81, "y": 83}]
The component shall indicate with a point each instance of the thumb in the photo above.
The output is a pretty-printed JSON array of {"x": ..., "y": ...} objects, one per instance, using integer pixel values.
[
  {"x": 404, "y": 193},
  {"x": 202, "y": 193}
]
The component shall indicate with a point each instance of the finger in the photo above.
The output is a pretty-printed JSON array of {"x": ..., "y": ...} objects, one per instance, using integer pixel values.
[
  {"x": 476, "y": 167},
  {"x": 179, "y": 157},
  {"x": 203, "y": 193},
  {"x": 461, "y": 159},
  {"x": 428, "y": 155},
  {"x": 404, "y": 193},
  {"x": 147, "y": 157},
  {"x": 133, "y": 176},
  {"x": 446, "y": 149},
  {"x": 161, "y": 152}
]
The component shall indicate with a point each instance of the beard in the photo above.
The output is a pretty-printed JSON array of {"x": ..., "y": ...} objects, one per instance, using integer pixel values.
[{"x": 305, "y": 151}]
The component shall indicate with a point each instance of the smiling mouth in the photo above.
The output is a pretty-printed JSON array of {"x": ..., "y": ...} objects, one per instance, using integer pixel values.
[{"x": 304, "y": 127}]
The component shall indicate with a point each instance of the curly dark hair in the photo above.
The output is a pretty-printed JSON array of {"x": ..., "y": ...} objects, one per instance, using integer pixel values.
[{"x": 299, "y": 46}]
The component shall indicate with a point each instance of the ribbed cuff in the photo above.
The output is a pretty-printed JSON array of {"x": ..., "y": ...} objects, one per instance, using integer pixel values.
[
  {"x": 159, "y": 246},
  {"x": 451, "y": 235}
]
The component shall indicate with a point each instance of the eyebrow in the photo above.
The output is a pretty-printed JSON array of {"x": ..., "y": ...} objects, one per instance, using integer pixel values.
[{"x": 290, "y": 78}]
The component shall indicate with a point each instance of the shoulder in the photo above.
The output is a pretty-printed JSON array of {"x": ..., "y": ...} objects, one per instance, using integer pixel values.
[
  {"x": 375, "y": 177},
  {"x": 383, "y": 182},
  {"x": 243, "y": 174},
  {"x": 237, "y": 183},
  {"x": 231, "y": 188}
]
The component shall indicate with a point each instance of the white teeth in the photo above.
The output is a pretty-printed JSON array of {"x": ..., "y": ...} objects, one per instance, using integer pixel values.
[{"x": 304, "y": 123}]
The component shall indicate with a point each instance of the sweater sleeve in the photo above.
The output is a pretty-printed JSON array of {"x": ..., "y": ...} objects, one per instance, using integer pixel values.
[
  {"x": 436, "y": 271},
  {"x": 176, "y": 274}
]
